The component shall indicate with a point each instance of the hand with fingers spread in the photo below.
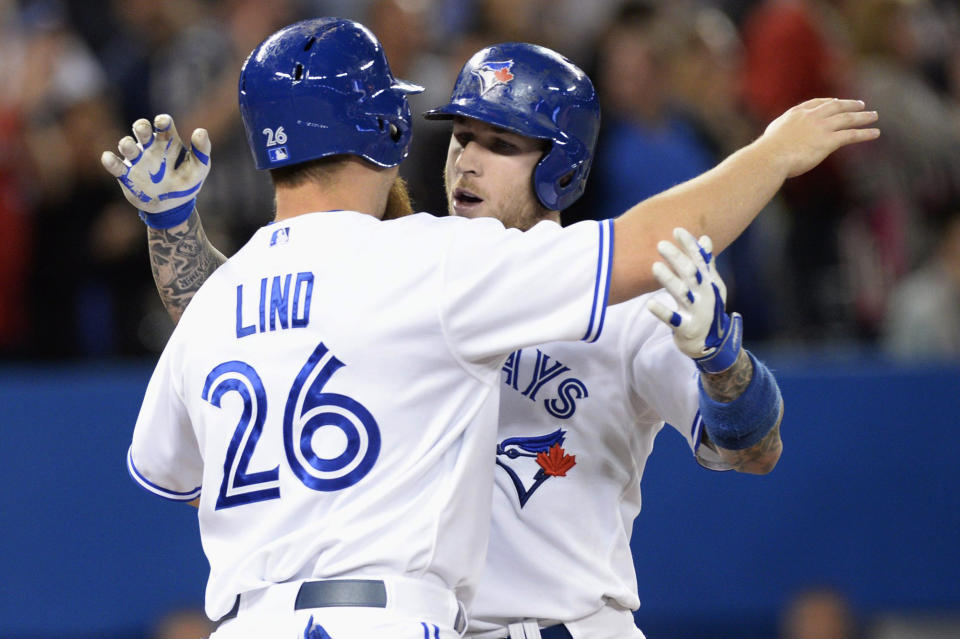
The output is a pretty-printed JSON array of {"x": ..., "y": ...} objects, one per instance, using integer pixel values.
[
  {"x": 160, "y": 175},
  {"x": 810, "y": 131},
  {"x": 701, "y": 327}
]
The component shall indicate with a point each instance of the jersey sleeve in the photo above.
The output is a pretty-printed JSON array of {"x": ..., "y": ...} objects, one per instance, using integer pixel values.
[
  {"x": 504, "y": 289},
  {"x": 164, "y": 457},
  {"x": 664, "y": 378}
]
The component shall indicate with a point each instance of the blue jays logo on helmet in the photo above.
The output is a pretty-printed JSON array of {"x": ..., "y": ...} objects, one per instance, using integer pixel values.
[
  {"x": 492, "y": 74},
  {"x": 323, "y": 87},
  {"x": 537, "y": 93},
  {"x": 514, "y": 455}
]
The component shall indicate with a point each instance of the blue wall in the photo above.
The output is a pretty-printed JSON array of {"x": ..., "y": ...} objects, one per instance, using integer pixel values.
[
  {"x": 85, "y": 551},
  {"x": 864, "y": 498}
]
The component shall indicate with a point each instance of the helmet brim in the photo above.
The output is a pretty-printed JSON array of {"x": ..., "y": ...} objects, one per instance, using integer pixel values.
[
  {"x": 495, "y": 115},
  {"x": 406, "y": 87}
]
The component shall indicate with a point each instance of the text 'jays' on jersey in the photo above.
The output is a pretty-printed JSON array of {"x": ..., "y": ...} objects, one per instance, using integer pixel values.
[
  {"x": 577, "y": 423},
  {"x": 333, "y": 388}
]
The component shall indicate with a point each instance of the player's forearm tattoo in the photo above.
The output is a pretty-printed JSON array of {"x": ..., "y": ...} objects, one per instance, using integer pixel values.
[
  {"x": 760, "y": 458},
  {"x": 726, "y": 387},
  {"x": 730, "y": 384},
  {"x": 181, "y": 259}
]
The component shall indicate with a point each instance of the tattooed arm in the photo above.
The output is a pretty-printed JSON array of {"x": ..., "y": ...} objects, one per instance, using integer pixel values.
[
  {"x": 181, "y": 256},
  {"x": 181, "y": 259},
  {"x": 727, "y": 386},
  {"x": 740, "y": 402}
]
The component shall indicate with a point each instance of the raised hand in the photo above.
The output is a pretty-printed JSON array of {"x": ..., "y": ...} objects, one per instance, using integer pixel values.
[
  {"x": 808, "y": 132},
  {"x": 158, "y": 174},
  {"x": 701, "y": 327}
]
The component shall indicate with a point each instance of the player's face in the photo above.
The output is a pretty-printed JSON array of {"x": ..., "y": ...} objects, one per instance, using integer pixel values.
[{"x": 488, "y": 174}]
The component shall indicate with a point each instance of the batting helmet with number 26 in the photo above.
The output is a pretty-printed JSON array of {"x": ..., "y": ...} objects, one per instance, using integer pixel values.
[
  {"x": 537, "y": 93},
  {"x": 323, "y": 87}
]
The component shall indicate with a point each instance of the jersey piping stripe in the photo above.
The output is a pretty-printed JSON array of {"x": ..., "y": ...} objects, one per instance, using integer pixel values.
[
  {"x": 695, "y": 431},
  {"x": 606, "y": 279},
  {"x": 158, "y": 490},
  {"x": 601, "y": 286}
]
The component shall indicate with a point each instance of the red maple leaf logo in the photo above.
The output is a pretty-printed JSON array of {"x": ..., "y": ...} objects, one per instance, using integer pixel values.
[
  {"x": 555, "y": 462},
  {"x": 503, "y": 75}
]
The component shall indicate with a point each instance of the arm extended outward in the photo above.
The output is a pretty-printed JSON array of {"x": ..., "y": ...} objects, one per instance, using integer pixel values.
[
  {"x": 740, "y": 401},
  {"x": 723, "y": 201},
  {"x": 726, "y": 387}
]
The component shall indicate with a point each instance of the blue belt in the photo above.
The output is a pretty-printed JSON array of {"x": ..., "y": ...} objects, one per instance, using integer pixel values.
[
  {"x": 362, "y": 593},
  {"x": 556, "y": 632}
]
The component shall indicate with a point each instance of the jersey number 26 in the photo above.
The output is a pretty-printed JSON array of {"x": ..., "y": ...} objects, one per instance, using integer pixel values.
[{"x": 307, "y": 410}]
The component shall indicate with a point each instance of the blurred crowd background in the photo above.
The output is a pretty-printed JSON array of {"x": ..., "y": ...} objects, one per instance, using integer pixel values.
[{"x": 862, "y": 251}]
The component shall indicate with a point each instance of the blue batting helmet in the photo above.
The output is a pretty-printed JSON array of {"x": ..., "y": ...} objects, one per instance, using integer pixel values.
[
  {"x": 323, "y": 87},
  {"x": 537, "y": 93}
]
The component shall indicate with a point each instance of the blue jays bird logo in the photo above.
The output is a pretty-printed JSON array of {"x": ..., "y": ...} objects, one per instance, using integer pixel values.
[
  {"x": 493, "y": 74},
  {"x": 546, "y": 450}
]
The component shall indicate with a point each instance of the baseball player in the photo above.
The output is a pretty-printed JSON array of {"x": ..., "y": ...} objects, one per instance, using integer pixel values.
[
  {"x": 685, "y": 262},
  {"x": 578, "y": 421}
]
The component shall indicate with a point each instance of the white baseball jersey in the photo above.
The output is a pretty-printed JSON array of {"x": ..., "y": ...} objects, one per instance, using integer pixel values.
[
  {"x": 577, "y": 423},
  {"x": 331, "y": 392}
]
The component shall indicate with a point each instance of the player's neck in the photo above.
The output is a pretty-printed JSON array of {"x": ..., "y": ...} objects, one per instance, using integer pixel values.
[{"x": 355, "y": 188}]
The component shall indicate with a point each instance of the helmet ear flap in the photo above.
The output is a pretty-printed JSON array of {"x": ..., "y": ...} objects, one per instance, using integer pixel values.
[
  {"x": 397, "y": 129},
  {"x": 391, "y": 129},
  {"x": 560, "y": 177}
]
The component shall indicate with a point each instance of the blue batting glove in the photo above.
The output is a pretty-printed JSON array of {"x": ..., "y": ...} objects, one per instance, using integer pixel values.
[
  {"x": 701, "y": 327},
  {"x": 159, "y": 175}
]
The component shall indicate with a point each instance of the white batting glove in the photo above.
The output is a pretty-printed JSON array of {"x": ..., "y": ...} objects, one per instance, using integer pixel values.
[
  {"x": 701, "y": 327},
  {"x": 159, "y": 175}
]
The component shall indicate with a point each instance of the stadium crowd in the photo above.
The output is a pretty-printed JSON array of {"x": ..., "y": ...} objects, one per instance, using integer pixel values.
[{"x": 863, "y": 250}]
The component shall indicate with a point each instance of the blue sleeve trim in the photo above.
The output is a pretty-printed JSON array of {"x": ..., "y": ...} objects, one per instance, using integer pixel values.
[
  {"x": 148, "y": 485},
  {"x": 601, "y": 286},
  {"x": 705, "y": 456},
  {"x": 695, "y": 430},
  {"x": 746, "y": 420}
]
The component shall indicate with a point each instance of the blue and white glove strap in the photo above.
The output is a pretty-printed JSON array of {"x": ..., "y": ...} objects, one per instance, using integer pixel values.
[
  {"x": 746, "y": 420},
  {"x": 171, "y": 218},
  {"x": 727, "y": 336}
]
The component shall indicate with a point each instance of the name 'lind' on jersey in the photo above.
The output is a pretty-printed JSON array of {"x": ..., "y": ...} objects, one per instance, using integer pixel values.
[{"x": 274, "y": 303}]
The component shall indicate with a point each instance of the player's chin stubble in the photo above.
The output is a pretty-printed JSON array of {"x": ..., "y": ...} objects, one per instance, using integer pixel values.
[
  {"x": 519, "y": 209},
  {"x": 398, "y": 201}
]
